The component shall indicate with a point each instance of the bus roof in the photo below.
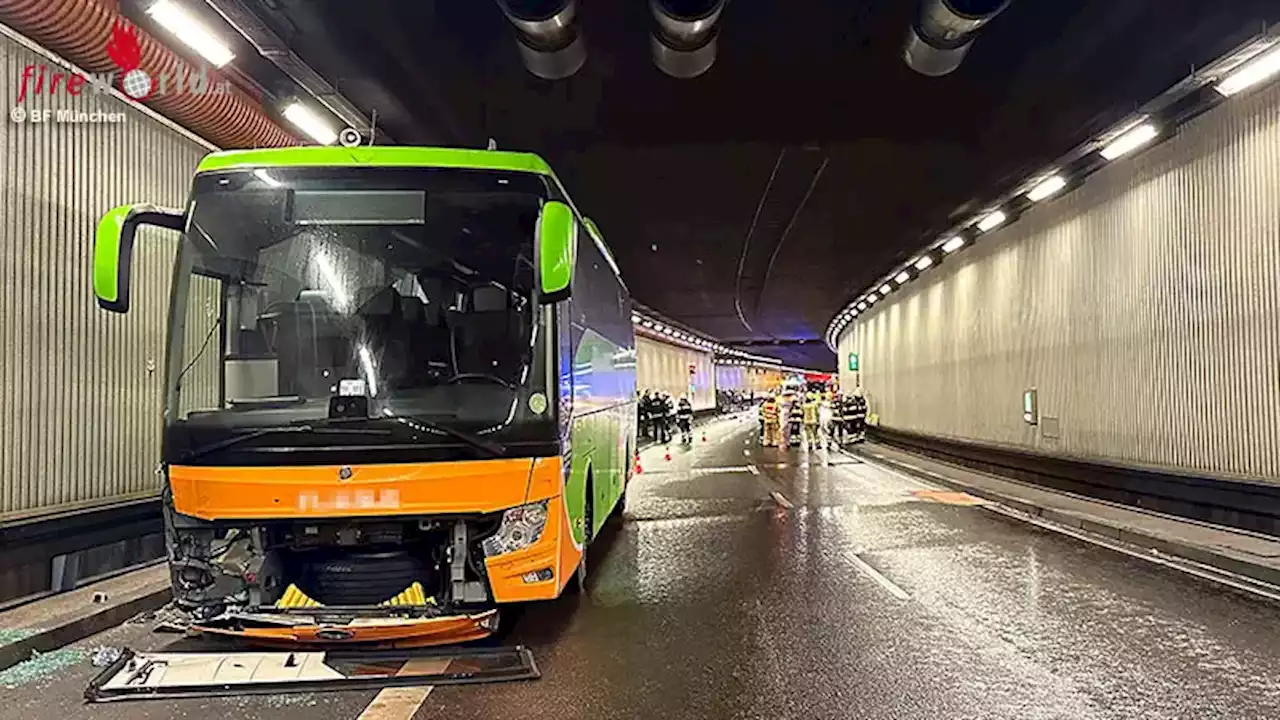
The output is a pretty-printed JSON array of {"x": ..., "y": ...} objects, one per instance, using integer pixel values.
[{"x": 384, "y": 156}]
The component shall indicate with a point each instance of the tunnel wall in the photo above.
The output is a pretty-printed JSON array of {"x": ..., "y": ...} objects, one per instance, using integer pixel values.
[
  {"x": 1144, "y": 307},
  {"x": 82, "y": 388},
  {"x": 732, "y": 377},
  {"x": 664, "y": 367}
]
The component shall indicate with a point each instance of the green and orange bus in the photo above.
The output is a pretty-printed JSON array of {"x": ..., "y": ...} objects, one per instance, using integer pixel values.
[{"x": 399, "y": 391}]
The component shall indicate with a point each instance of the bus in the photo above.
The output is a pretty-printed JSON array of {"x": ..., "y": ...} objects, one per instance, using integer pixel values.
[{"x": 399, "y": 390}]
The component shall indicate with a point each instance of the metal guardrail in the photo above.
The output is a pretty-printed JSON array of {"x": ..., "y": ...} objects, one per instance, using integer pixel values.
[
  {"x": 1253, "y": 506},
  {"x": 49, "y": 554}
]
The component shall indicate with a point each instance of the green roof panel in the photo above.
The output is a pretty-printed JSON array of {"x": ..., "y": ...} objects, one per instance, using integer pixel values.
[{"x": 377, "y": 156}]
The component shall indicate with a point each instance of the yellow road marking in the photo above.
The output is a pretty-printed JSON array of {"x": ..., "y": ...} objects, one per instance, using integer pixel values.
[{"x": 948, "y": 497}]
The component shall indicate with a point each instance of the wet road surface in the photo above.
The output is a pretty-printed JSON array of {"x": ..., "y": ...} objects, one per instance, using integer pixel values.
[{"x": 750, "y": 582}]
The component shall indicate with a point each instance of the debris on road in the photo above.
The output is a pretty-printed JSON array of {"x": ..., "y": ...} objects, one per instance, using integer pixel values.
[
  {"x": 137, "y": 676},
  {"x": 104, "y": 656}
]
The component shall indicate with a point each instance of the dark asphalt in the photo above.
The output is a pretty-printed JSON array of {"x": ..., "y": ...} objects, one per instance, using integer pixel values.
[{"x": 715, "y": 600}]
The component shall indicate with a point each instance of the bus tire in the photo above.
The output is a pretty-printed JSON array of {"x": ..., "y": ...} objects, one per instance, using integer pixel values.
[
  {"x": 620, "y": 505},
  {"x": 578, "y": 585}
]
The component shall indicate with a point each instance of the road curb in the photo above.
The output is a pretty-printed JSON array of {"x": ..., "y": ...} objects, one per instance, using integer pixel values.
[
  {"x": 1223, "y": 560},
  {"x": 74, "y": 628}
]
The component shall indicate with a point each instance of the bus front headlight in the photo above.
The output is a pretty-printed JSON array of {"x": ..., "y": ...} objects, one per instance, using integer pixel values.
[{"x": 521, "y": 527}]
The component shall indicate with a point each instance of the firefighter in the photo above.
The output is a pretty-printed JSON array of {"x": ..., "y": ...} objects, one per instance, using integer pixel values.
[
  {"x": 664, "y": 410},
  {"x": 837, "y": 419},
  {"x": 809, "y": 413},
  {"x": 642, "y": 413},
  {"x": 858, "y": 416},
  {"x": 795, "y": 420},
  {"x": 770, "y": 416},
  {"x": 826, "y": 422},
  {"x": 684, "y": 420}
]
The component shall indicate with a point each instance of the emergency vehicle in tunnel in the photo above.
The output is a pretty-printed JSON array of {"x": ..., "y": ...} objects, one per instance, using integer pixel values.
[{"x": 399, "y": 390}]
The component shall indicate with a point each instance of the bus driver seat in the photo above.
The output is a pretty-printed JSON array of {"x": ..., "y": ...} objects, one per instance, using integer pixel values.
[{"x": 487, "y": 342}]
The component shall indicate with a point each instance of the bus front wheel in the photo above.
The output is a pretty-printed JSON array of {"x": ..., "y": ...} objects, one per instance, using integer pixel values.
[{"x": 578, "y": 586}]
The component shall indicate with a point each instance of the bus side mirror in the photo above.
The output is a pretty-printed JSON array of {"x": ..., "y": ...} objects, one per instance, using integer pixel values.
[
  {"x": 556, "y": 244},
  {"x": 113, "y": 249}
]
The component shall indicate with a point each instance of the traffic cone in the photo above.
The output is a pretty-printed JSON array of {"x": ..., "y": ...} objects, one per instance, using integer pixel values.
[
  {"x": 667, "y": 457},
  {"x": 638, "y": 469}
]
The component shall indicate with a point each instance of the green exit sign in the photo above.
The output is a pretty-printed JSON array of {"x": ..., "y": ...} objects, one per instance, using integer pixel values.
[{"x": 853, "y": 362}]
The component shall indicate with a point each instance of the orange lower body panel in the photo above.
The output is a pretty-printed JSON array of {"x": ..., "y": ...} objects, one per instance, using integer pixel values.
[
  {"x": 308, "y": 492},
  {"x": 369, "y": 632},
  {"x": 554, "y": 551}
]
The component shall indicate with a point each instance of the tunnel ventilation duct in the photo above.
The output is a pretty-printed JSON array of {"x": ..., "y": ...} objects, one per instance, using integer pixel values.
[
  {"x": 684, "y": 41},
  {"x": 943, "y": 32},
  {"x": 81, "y": 32},
  {"x": 547, "y": 36}
]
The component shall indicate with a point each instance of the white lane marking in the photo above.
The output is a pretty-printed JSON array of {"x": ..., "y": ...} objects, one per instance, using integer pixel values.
[
  {"x": 402, "y": 703},
  {"x": 1181, "y": 564},
  {"x": 883, "y": 581},
  {"x": 737, "y": 469},
  {"x": 1186, "y": 565},
  {"x": 396, "y": 703},
  {"x": 781, "y": 499},
  {"x": 753, "y": 469}
]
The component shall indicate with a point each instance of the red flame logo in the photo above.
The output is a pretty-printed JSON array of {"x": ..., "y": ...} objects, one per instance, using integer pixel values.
[
  {"x": 123, "y": 48},
  {"x": 126, "y": 53}
]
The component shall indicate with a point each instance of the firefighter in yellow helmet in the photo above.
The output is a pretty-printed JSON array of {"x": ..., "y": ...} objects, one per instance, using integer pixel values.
[
  {"x": 810, "y": 414},
  {"x": 770, "y": 413}
]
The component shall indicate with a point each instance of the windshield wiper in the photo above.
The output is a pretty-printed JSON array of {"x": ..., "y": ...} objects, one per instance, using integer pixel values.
[
  {"x": 493, "y": 448},
  {"x": 475, "y": 441},
  {"x": 283, "y": 429}
]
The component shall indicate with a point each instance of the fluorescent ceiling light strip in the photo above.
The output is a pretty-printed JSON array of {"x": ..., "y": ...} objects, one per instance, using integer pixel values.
[
  {"x": 1047, "y": 188},
  {"x": 187, "y": 28},
  {"x": 1130, "y": 140},
  {"x": 306, "y": 120},
  {"x": 1260, "y": 68},
  {"x": 992, "y": 221}
]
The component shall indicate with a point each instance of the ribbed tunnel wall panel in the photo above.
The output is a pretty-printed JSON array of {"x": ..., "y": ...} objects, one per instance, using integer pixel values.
[
  {"x": 81, "y": 388},
  {"x": 1144, "y": 306},
  {"x": 732, "y": 377},
  {"x": 664, "y": 367}
]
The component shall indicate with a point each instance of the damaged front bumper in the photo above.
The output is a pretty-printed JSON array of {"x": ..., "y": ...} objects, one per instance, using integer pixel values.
[{"x": 379, "y": 627}]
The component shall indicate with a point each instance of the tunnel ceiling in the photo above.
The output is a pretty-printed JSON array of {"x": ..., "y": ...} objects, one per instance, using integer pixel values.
[{"x": 674, "y": 171}]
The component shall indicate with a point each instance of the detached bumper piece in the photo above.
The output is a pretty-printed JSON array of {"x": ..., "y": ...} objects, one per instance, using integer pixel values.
[
  {"x": 395, "y": 628},
  {"x": 143, "y": 676},
  {"x": 409, "y": 619}
]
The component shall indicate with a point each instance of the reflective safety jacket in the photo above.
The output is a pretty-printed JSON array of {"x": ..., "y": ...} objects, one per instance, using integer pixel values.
[
  {"x": 853, "y": 408},
  {"x": 769, "y": 411},
  {"x": 811, "y": 412},
  {"x": 684, "y": 411},
  {"x": 825, "y": 414}
]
